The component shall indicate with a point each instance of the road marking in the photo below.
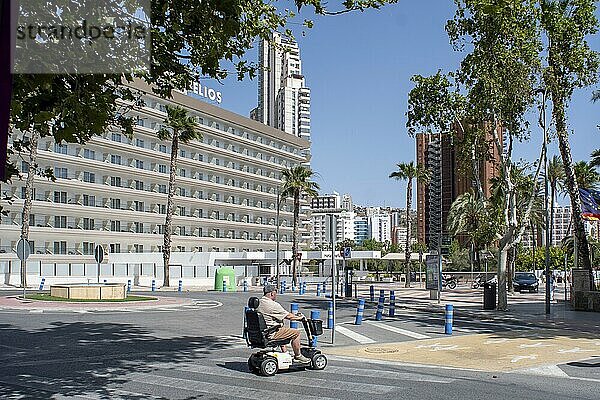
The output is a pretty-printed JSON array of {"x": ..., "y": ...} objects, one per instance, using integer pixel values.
[
  {"x": 494, "y": 341},
  {"x": 520, "y": 358},
  {"x": 377, "y": 373},
  {"x": 546, "y": 370},
  {"x": 574, "y": 350},
  {"x": 440, "y": 347},
  {"x": 238, "y": 391},
  {"x": 401, "y": 331},
  {"x": 535, "y": 345},
  {"x": 357, "y": 337},
  {"x": 331, "y": 383}
]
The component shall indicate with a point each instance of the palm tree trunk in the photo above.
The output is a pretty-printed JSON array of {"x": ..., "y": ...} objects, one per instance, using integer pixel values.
[
  {"x": 408, "y": 231},
  {"x": 295, "y": 235},
  {"x": 169, "y": 216},
  {"x": 31, "y": 171},
  {"x": 571, "y": 183}
]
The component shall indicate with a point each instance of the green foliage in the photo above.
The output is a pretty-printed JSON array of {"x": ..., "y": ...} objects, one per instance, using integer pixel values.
[
  {"x": 477, "y": 219},
  {"x": 408, "y": 171},
  {"x": 345, "y": 243},
  {"x": 180, "y": 122},
  {"x": 587, "y": 176},
  {"x": 595, "y": 157},
  {"x": 525, "y": 259},
  {"x": 296, "y": 182}
]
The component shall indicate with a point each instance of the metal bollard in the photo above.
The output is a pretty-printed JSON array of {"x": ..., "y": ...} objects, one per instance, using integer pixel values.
[
  {"x": 294, "y": 310},
  {"x": 359, "y": 312},
  {"x": 449, "y": 319},
  {"x": 42, "y": 283},
  {"x": 224, "y": 285},
  {"x": 246, "y": 308},
  {"x": 128, "y": 285},
  {"x": 314, "y": 314},
  {"x": 153, "y": 285},
  {"x": 330, "y": 315},
  {"x": 318, "y": 290},
  {"x": 245, "y": 285},
  {"x": 392, "y": 310},
  {"x": 379, "y": 314},
  {"x": 372, "y": 292},
  {"x": 180, "y": 286}
]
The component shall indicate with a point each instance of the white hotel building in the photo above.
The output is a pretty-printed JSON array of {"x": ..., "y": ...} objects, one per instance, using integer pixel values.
[{"x": 112, "y": 190}]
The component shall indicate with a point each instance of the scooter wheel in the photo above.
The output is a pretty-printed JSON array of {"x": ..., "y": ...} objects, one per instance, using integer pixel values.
[
  {"x": 269, "y": 367},
  {"x": 319, "y": 362}
]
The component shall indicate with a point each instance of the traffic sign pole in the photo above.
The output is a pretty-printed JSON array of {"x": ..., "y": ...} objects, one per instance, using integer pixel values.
[
  {"x": 99, "y": 256},
  {"x": 23, "y": 251}
]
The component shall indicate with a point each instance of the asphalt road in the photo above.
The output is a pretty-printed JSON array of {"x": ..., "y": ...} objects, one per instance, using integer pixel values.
[{"x": 198, "y": 353}]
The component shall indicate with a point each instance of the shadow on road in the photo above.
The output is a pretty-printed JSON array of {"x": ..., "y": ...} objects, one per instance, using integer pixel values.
[{"x": 79, "y": 358}]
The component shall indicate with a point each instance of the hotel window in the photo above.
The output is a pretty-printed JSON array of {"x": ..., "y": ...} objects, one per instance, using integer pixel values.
[
  {"x": 162, "y": 209},
  {"x": 89, "y": 154},
  {"x": 89, "y": 177},
  {"x": 182, "y": 230},
  {"x": 24, "y": 166},
  {"x": 162, "y": 188},
  {"x": 181, "y": 210},
  {"x": 139, "y": 143},
  {"x": 115, "y": 159},
  {"x": 116, "y": 137},
  {"x": 88, "y": 224},
  {"x": 162, "y": 148},
  {"x": 139, "y": 164},
  {"x": 162, "y": 168},
  {"x": 138, "y": 227},
  {"x": 182, "y": 172},
  {"x": 182, "y": 153},
  {"x": 138, "y": 248},
  {"x": 139, "y": 185},
  {"x": 31, "y": 221},
  {"x": 60, "y": 148},
  {"x": 60, "y": 247},
  {"x": 115, "y": 226},
  {"x": 115, "y": 181},
  {"x": 139, "y": 205},
  {"x": 89, "y": 200},
  {"x": 23, "y": 193},
  {"x": 88, "y": 248},
  {"x": 60, "y": 221},
  {"x": 115, "y": 247},
  {"x": 181, "y": 248},
  {"x": 60, "y": 197},
  {"x": 60, "y": 172},
  {"x": 115, "y": 204}
]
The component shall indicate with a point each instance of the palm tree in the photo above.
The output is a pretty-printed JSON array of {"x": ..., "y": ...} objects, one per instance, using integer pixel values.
[
  {"x": 595, "y": 161},
  {"x": 587, "y": 176},
  {"x": 409, "y": 172},
  {"x": 180, "y": 128},
  {"x": 556, "y": 176},
  {"x": 296, "y": 184}
]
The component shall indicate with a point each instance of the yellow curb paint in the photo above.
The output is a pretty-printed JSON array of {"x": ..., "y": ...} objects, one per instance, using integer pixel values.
[{"x": 503, "y": 351}]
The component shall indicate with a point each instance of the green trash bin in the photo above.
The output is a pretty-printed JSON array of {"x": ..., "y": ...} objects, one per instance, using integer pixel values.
[{"x": 225, "y": 274}]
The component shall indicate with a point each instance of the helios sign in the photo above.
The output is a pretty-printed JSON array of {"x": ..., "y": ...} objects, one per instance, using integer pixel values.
[{"x": 206, "y": 92}]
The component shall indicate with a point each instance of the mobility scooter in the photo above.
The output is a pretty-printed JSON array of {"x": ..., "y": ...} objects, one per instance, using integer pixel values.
[{"x": 270, "y": 359}]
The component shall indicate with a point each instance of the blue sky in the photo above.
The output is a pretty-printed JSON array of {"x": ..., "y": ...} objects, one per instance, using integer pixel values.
[{"x": 358, "y": 67}]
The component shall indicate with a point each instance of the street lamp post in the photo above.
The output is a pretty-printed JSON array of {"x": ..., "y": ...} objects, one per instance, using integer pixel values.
[{"x": 277, "y": 202}]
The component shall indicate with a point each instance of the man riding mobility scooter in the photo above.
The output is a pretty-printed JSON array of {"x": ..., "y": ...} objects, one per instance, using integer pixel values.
[{"x": 270, "y": 360}]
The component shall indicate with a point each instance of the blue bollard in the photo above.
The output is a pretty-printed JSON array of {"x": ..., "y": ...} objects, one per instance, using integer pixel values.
[
  {"x": 330, "y": 315},
  {"x": 324, "y": 289},
  {"x": 392, "y": 311},
  {"x": 128, "y": 285},
  {"x": 294, "y": 310},
  {"x": 284, "y": 286},
  {"x": 372, "y": 292},
  {"x": 224, "y": 285},
  {"x": 359, "y": 312},
  {"x": 153, "y": 285},
  {"x": 245, "y": 285},
  {"x": 293, "y": 287},
  {"x": 382, "y": 293},
  {"x": 449, "y": 319},
  {"x": 303, "y": 288},
  {"x": 379, "y": 314},
  {"x": 318, "y": 290},
  {"x": 42, "y": 283},
  {"x": 180, "y": 286},
  {"x": 314, "y": 314}
]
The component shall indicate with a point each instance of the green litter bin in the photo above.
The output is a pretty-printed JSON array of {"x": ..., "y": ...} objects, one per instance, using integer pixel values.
[{"x": 225, "y": 274}]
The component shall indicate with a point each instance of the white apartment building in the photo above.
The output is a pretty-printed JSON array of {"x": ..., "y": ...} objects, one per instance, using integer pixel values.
[
  {"x": 361, "y": 229},
  {"x": 380, "y": 228},
  {"x": 561, "y": 228},
  {"x": 321, "y": 207},
  {"x": 283, "y": 98},
  {"x": 112, "y": 190}
]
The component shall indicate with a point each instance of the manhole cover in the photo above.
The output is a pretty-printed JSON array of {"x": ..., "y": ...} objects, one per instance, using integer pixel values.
[{"x": 380, "y": 350}]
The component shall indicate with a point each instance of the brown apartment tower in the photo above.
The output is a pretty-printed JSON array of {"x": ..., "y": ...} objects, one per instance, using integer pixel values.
[{"x": 449, "y": 179}]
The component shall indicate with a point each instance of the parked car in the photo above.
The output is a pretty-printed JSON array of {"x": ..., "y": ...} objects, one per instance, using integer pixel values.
[{"x": 525, "y": 281}]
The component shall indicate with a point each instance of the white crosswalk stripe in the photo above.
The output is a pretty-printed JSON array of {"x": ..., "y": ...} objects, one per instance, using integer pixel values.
[
  {"x": 401, "y": 331},
  {"x": 353, "y": 335},
  {"x": 224, "y": 390}
]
